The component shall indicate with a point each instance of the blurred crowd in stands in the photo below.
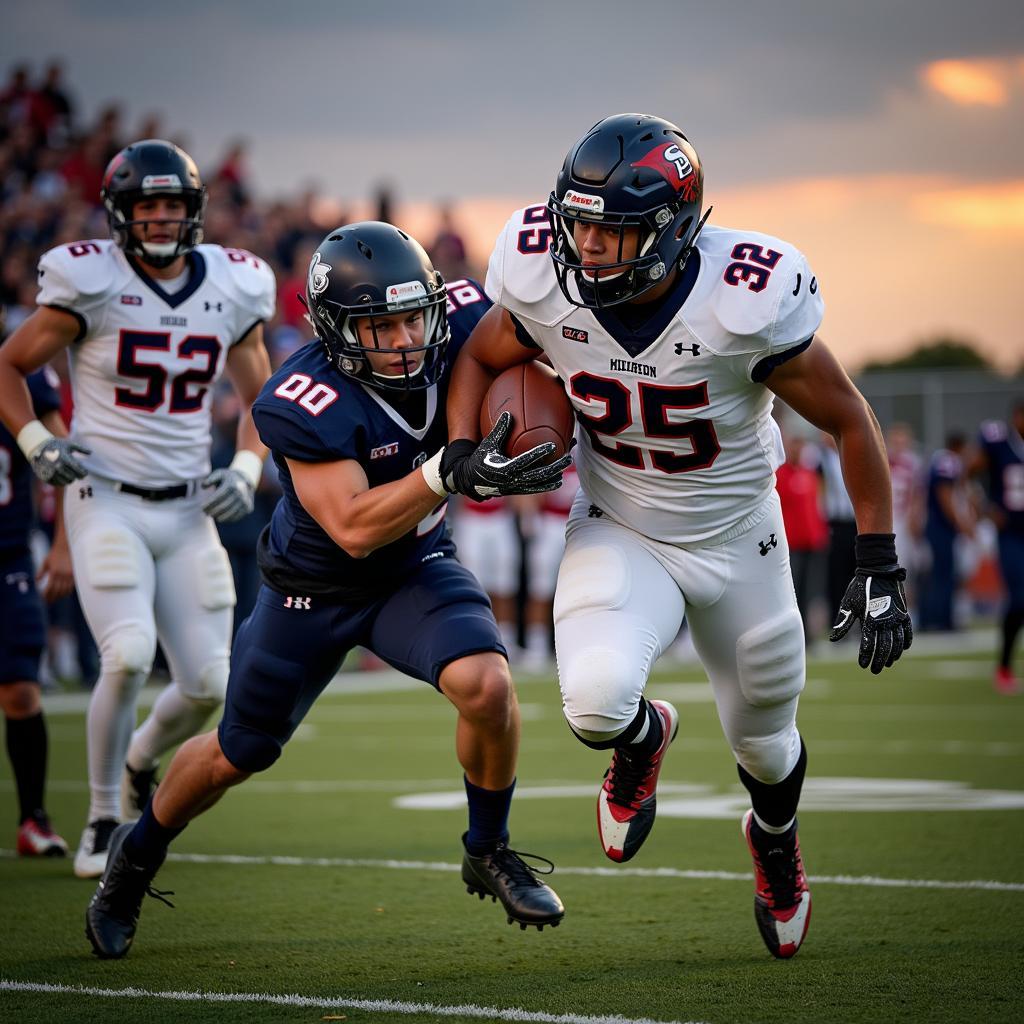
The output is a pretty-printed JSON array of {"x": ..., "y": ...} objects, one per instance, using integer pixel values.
[{"x": 51, "y": 167}]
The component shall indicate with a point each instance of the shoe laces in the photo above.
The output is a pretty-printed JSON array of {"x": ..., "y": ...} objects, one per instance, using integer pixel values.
[
  {"x": 625, "y": 776},
  {"x": 511, "y": 864},
  {"x": 780, "y": 865}
]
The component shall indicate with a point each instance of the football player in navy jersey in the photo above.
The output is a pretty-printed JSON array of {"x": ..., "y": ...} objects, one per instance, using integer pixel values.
[
  {"x": 1001, "y": 458},
  {"x": 22, "y": 624},
  {"x": 357, "y": 553}
]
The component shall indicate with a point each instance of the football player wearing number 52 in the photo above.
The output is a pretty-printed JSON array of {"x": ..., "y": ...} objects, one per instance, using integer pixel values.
[
  {"x": 672, "y": 338},
  {"x": 150, "y": 319}
]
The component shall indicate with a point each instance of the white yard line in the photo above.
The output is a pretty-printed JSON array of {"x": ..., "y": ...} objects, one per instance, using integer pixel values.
[
  {"x": 869, "y": 881},
  {"x": 320, "y": 1003}
]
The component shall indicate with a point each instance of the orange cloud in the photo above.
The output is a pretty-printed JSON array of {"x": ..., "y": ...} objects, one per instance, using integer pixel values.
[
  {"x": 986, "y": 208},
  {"x": 974, "y": 82}
]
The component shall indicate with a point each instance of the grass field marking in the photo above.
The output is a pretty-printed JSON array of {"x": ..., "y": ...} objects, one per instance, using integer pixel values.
[
  {"x": 870, "y": 881},
  {"x": 369, "y": 1005}
]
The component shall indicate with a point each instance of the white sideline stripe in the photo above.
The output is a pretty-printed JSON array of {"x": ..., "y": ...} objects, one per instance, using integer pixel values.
[
  {"x": 870, "y": 881},
  {"x": 370, "y": 1005}
]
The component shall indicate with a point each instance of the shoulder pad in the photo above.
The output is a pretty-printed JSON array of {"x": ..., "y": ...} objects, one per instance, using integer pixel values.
[
  {"x": 246, "y": 279},
  {"x": 993, "y": 431},
  {"x": 520, "y": 275},
  {"x": 764, "y": 287},
  {"x": 467, "y": 304},
  {"x": 81, "y": 274}
]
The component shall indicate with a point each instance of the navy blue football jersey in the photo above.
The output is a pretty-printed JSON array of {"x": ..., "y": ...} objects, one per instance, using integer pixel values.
[
  {"x": 1005, "y": 450},
  {"x": 16, "y": 514},
  {"x": 311, "y": 412}
]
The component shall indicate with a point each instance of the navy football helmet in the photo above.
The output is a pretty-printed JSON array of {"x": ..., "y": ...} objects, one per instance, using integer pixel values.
[
  {"x": 374, "y": 269},
  {"x": 628, "y": 171},
  {"x": 148, "y": 168}
]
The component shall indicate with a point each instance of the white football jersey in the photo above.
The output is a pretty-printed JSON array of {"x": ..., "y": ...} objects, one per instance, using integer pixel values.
[
  {"x": 145, "y": 362},
  {"x": 678, "y": 441}
]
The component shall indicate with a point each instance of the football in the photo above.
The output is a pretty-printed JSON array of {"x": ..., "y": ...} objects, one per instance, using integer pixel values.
[{"x": 541, "y": 411}]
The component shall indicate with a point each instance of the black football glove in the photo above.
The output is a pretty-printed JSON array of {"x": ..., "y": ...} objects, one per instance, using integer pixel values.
[
  {"x": 876, "y": 597},
  {"x": 482, "y": 471}
]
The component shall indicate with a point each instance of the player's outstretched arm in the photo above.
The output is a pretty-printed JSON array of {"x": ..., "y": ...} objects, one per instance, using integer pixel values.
[
  {"x": 45, "y": 333},
  {"x": 357, "y": 517},
  {"x": 233, "y": 489},
  {"x": 816, "y": 386}
]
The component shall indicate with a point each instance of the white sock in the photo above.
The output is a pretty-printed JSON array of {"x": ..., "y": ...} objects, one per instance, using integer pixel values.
[
  {"x": 773, "y": 830},
  {"x": 108, "y": 731},
  {"x": 175, "y": 718}
]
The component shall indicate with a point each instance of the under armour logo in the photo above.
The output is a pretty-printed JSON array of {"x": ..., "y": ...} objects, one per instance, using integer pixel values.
[
  {"x": 207, "y": 306},
  {"x": 298, "y": 602},
  {"x": 85, "y": 492},
  {"x": 594, "y": 512},
  {"x": 767, "y": 545},
  {"x": 693, "y": 349}
]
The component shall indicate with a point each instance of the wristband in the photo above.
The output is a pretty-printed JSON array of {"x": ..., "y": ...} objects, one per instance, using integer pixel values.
[
  {"x": 875, "y": 550},
  {"x": 249, "y": 465},
  {"x": 31, "y": 436},
  {"x": 431, "y": 470}
]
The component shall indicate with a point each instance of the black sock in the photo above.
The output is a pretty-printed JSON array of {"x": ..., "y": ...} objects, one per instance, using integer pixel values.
[
  {"x": 776, "y": 805},
  {"x": 1012, "y": 622},
  {"x": 655, "y": 733},
  {"x": 620, "y": 739},
  {"x": 26, "y": 747},
  {"x": 488, "y": 817},
  {"x": 147, "y": 843}
]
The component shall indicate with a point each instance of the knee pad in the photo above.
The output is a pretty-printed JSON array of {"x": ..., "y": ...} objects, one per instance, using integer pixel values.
[
  {"x": 210, "y": 685},
  {"x": 216, "y": 583},
  {"x": 600, "y": 692},
  {"x": 770, "y": 759},
  {"x": 111, "y": 560},
  {"x": 129, "y": 650},
  {"x": 770, "y": 660},
  {"x": 248, "y": 749}
]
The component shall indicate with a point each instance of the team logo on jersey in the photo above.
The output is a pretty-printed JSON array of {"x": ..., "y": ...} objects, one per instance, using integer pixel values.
[
  {"x": 675, "y": 167},
  {"x": 419, "y": 460},
  {"x": 131, "y": 300},
  {"x": 384, "y": 450},
  {"x": 575, "y": 334},
  {"x": 318, "y": 271}
]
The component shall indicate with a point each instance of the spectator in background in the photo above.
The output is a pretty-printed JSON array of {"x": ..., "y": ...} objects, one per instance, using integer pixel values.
[
  {"x": 907, "y": 504},
  {"x": 799, "y": 488},
  {"x": 448, "y": 251},
  {"x": 1001, "y": 457},
  {"x": 232, "y": 172},
  {"x": 947, "y": 516},
  {"x": 52, "y": 112}
]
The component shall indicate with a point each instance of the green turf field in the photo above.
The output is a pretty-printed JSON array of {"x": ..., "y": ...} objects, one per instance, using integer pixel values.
[{"x": 333, "y": 878}]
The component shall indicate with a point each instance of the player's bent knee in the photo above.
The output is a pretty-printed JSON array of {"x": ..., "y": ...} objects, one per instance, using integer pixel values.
[
  {"x": 601, "y": 688},
  {"x": 216, "y": 584},
  {"x": 248, "y": 750},
  {"x": 19, "y": 700},
  {"x": 128, "y": 652},
  {"x": 480, "y": 687},
  {"x": 770, "y": 759},
  {"x": 770, "y": 660},
  {"x": 210, "y": 685}
]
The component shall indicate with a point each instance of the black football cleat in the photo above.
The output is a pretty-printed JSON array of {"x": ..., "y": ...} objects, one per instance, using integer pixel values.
[
  {"x": 504, "y": 875},
  {"x": 113, "y": 912},
  {"x": 782, "y": 899}
]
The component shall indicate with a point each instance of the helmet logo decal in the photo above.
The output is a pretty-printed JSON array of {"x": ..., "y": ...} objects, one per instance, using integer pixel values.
[
  {"x": 318, "y": 271},
  {"x": 582, "y": 201},
  {"x": 675, "y": 167},
  {"x": 399, "y": 294}
]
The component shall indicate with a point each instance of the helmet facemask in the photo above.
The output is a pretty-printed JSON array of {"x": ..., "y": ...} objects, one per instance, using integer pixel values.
[{"x": 120, "y": 208}]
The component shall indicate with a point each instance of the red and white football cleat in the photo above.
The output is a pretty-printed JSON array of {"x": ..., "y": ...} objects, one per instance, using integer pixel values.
[
  {"x": 627, "y": 802},
  {"x": 782, "y": 900},
  {"x": 1006, "y": 682},
  {"x": 37, "y": 839}
]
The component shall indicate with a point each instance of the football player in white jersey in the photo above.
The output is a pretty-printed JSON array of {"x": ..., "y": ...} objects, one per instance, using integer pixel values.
[
  {"x": 671, "y": 338},
  {"x": 150, "y": 319}
]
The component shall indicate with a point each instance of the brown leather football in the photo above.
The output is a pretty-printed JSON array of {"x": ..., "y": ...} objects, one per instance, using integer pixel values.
[{"x": 541, "y": 411}]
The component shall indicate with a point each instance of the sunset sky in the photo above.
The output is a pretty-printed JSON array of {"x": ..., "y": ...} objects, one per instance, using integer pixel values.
[{"x": 884, "y": 139}]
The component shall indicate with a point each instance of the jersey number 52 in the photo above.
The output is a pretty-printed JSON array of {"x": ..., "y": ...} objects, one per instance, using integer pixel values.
[{"x": 187, "y": 389}]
